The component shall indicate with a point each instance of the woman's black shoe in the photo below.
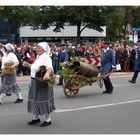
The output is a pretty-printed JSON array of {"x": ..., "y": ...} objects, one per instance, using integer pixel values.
[
  {"x": 132, "y": 81},
  {"x": 45, "y": 124},
  {"x": 18, "y": 100},
  {"x": 32, "y": 122},
  {"x": 59, "y": 84},
  {"x": 8, "y": 94},
  {"x": 105, "y": 91}
]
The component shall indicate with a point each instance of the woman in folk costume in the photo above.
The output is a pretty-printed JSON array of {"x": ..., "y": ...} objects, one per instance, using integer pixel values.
[
  {"x": 40, "y": 99},
  {"x": 8, "y": 81}
]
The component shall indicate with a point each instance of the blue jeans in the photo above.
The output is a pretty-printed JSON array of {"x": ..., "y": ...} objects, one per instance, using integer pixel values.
[{"x": 55, "y": 66}]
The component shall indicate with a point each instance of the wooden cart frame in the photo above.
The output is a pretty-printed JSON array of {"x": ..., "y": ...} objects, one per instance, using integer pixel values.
[{"x": 71, "y": 90}]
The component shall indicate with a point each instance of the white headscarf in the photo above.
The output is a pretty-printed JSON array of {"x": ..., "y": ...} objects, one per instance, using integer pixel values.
[
  {"x": 9, "y": 47},
  {"x": 45, "y": 46}
]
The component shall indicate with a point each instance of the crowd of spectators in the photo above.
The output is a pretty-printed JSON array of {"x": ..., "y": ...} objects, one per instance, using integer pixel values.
[{"x": 125, "y": 54}]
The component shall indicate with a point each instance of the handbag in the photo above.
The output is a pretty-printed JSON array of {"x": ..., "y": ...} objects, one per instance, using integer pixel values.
[
  {"x": 118, "y": 67},
  {"x": 39, "y": 77}
]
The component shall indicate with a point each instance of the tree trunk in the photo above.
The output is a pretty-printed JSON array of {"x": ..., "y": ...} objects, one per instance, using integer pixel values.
[
  {"x": 9, "y": 31},
  {"x": 125, "y": 29},
  {"x": 78, "y": 32}
]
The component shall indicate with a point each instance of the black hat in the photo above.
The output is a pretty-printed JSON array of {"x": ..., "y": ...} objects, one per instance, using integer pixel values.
[
  {"x": 106, "y": 43},
  {"x": 63, "y": 45},
  {"x": 138, "y": 41}
]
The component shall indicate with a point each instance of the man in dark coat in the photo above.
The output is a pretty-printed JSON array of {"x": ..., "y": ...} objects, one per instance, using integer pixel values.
[
  {"x": 137, "y": 65},
  {"x": 107, "y": 63},
  {"x": 1, "y": 55}
]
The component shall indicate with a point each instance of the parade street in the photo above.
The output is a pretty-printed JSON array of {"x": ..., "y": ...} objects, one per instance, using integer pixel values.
[{"x": 90, "y": 112}]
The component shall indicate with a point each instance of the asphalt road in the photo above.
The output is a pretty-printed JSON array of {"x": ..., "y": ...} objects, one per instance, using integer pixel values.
[{"x": 90, "y": 112}]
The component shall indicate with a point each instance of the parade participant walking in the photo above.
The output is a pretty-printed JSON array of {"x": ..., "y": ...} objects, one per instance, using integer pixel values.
[
  {"x": 137, "y": 65},
  {"x": 132, "y": 57},
  {"x": 107, "y": 63},
  {"x": 40, "y": 99},
  {"x": 8, "y": 81}
]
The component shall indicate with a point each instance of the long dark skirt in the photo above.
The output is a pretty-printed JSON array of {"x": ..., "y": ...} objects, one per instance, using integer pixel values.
[
  {"x": 8, "y": 84},
  {"x": 40, "y": 100}
]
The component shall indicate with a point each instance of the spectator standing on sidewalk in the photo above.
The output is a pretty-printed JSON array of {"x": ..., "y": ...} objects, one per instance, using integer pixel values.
[
  {"x": 8, "y": 81},
  {"x": 20, "y": 59},
  {"x": 1, "y": 55},
  {"x": 55, "y": 59},
  {"x": 63, "y": 57},
  {"x": 137, "y": 65}
]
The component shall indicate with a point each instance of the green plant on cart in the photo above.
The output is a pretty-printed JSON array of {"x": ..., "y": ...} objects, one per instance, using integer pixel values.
[{"x": 68, "y": 73}]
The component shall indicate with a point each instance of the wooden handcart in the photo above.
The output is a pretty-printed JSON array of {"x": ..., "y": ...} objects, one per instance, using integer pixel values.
[
  {"x": 79, "y": 74},
  {"x": 72, "y": 85}
]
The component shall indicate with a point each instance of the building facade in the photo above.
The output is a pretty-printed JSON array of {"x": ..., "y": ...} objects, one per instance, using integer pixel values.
[{"x": 27, "y": 34}]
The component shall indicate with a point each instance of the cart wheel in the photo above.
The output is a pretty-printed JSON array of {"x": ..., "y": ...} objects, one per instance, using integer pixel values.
[{"x": 70, "y": 92}]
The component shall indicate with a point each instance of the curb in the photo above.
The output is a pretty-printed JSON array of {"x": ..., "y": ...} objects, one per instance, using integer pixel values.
[{"x": 122, "y": 73}]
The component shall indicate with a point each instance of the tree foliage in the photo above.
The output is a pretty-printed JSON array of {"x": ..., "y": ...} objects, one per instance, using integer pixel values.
[
  {"x": 114, "y": 22},
  {"x": 90, "y": 17},
  {"x": 115, "y": 18}
]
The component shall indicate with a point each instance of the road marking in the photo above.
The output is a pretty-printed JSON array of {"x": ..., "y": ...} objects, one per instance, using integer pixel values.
[
  {"x": 80, "y": 108},
  {"x": 94, "y": 107}
]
